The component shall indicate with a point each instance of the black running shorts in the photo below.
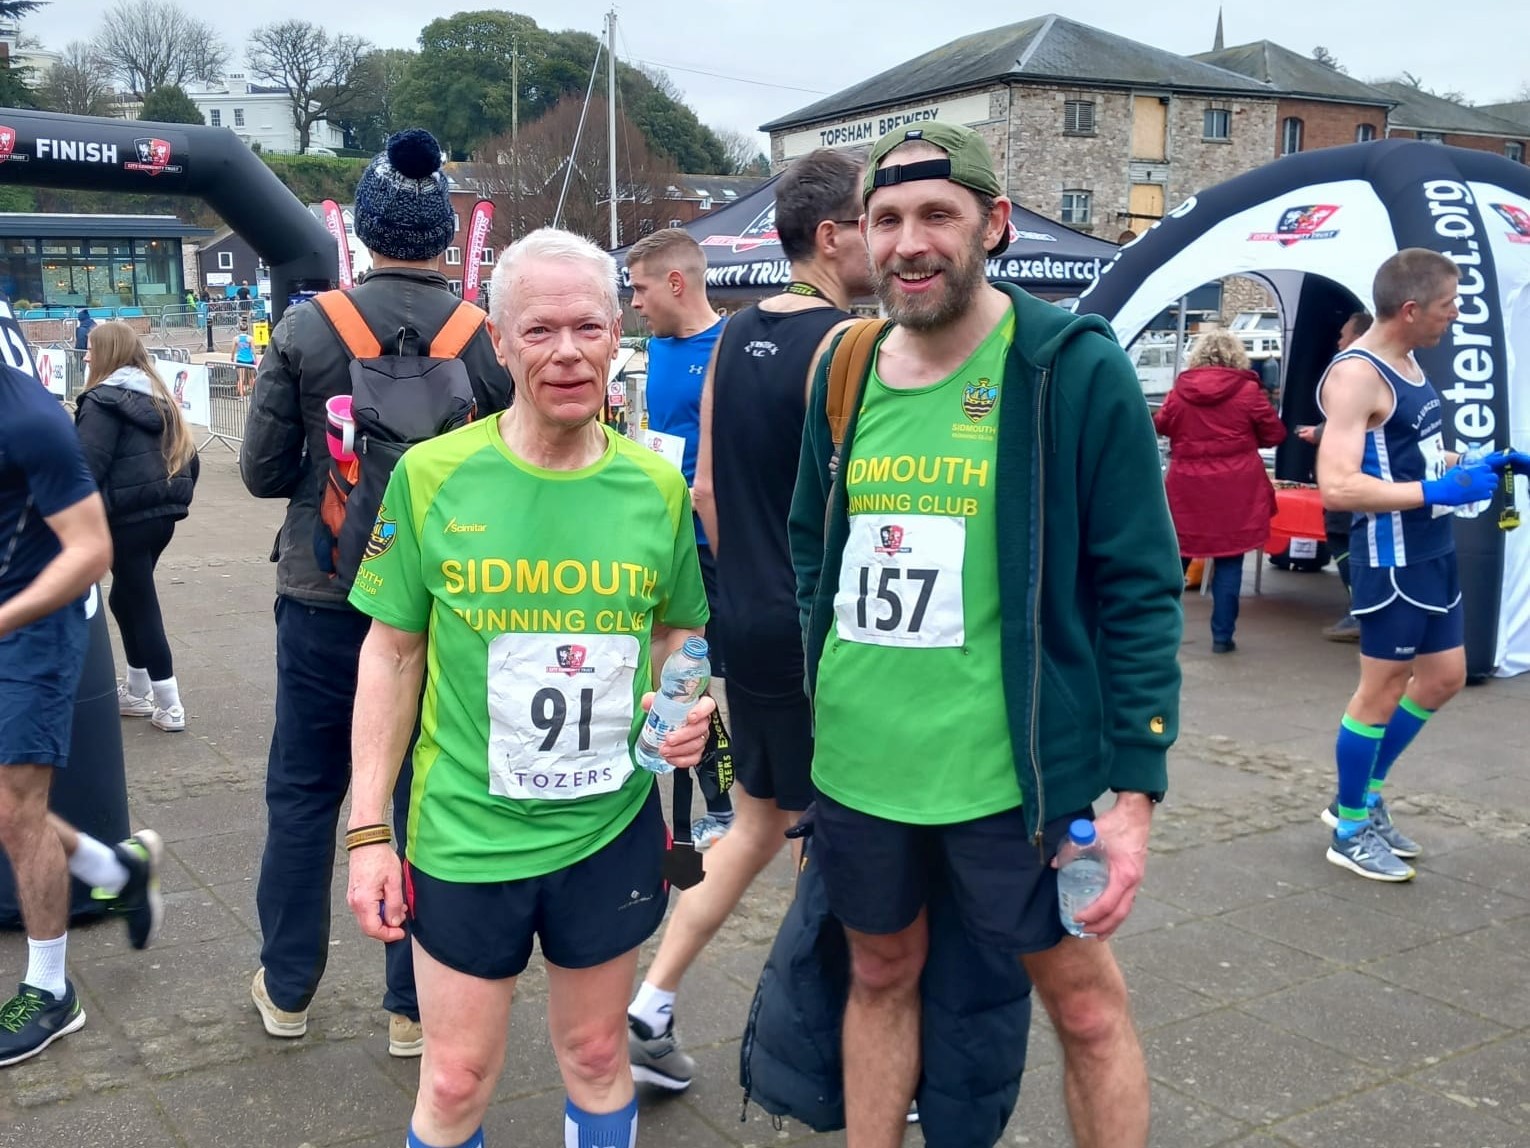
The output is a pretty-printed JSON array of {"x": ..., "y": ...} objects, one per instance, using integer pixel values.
[
  {"x": 585, "y": 915},
  {"x": 773, "y": 747},
  {"x": 878, "y": 873}
]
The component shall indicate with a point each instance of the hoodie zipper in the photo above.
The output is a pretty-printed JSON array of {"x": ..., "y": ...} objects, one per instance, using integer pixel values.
[{"x": 1041, "y": 543}]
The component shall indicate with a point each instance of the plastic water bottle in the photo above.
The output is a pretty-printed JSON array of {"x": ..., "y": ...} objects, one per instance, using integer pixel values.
[
  {"x": 684, "y": 679},
  {"x": 1083, "y": 871}
]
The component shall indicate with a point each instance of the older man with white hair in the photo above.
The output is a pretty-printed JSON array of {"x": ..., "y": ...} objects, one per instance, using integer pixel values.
[{"x": 534, "y": 569}]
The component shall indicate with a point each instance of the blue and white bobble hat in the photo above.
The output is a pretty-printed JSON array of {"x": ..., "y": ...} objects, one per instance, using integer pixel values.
[{"x": 403, "y": 210}]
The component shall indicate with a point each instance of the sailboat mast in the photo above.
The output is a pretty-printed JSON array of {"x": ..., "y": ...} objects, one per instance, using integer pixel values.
[{"x": 611, "y": 126}]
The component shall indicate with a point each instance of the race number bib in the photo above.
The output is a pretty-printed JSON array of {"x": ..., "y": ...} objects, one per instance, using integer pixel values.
[
  {"x": 900, "y": 583},
  {"x": 1435, "y": 466},
  {"x": 560, "y": 712}
]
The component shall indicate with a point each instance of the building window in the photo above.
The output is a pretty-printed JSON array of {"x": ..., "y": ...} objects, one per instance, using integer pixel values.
[
  {"x": 225, "y": 261},
  {"x": 454, "y": 257},
  {"x": 487, "y": 257},
  {"x": 1217, "y": 124},
  {"x": 1432, "y": 137},
  {"x": 216, "y": 119},
  {"x": 455, "y": 285},
  {"x": 1078, "y": 117},
  {"x": 239, "y": 117},
  {"x": 1290, "y": 136},
  {"x": 457, "y": 219},
  {"x": 1365, "y": 133},
  {"x": 674, "y": 223},
  {"x": 1514, "y": 150},
  {"x": 1077, "y": 207}
]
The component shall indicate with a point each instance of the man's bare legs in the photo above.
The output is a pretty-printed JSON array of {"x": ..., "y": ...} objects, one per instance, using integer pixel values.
[
  {"x": 33, "y": 847},
  {"x": 881, "y": 1033},
  {"x": 1105, "y": 1080}
]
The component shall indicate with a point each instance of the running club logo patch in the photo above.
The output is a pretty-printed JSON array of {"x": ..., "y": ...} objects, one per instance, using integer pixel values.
[
  {"x": 8, "y": 144},
  {"x": 1518, "y": 218},
  {"x": 153, "y": 156},
  {"x": 571, "y": 661},
  {"x": 384, "y": 531},
  {"x": 1300, "y": 223},
  {"x": 891, "y": 541},
  {"x": 978, "y": 399}
]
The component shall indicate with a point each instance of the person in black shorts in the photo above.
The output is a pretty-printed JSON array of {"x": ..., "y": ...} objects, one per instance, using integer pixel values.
[
  {"x": 54, "y": 545},
  {"x": 752, "y": 409}
]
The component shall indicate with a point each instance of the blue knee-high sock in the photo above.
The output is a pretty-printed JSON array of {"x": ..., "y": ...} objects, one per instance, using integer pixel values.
[
  {"x": 1355, "y": 753},
  {"x": 583, "y": 1129},
  {"x": 1407, "y": 720},
  {"x": 473, "y": 1141}
]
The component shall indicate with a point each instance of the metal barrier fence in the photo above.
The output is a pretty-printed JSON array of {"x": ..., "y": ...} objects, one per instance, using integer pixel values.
[
  {"x": 227, "y": 408},
  {"x": 170, "y": 327}
]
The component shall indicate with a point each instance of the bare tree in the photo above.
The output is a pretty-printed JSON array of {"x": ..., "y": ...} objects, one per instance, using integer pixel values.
[
  {"x": 743, "y": 151},
  {"x": 542, "y": 160},
  {"x": 150, "y": 44},
  {"x": 319, "y": 71},
  {"x": 1417, "y": 83},
  {"x": 77, "y": 84},
  {"x": 1323, "y": 56}
]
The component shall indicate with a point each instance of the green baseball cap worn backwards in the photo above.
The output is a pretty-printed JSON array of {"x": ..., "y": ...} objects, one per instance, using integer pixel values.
[{"x": 968, "y": 161}]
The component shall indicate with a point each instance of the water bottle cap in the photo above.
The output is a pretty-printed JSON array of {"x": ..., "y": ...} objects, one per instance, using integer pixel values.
[
  {"x": 1081, "y": 832},
  {"x": 695, "y": 648}
]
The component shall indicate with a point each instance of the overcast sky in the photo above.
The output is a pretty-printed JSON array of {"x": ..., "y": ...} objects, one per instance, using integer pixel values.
[{"x": 796, "y": 51}]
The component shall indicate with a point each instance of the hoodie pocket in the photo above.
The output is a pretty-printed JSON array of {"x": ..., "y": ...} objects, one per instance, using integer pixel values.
[{"x": 1061, "y": 717}]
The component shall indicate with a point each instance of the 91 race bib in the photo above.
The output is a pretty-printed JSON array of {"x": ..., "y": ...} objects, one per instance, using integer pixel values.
[
  {"x": 560, "y": 712},
  {"x": 1435, "y": 466},
  {"x": 900, "y": 582}
]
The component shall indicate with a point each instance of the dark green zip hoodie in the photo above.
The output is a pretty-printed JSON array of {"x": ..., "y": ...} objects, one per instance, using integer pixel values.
[{"x": 1089, "y": 572}]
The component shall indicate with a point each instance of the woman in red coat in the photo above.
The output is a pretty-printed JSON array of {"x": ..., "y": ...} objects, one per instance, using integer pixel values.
[{"x": 1216, "y": 418}]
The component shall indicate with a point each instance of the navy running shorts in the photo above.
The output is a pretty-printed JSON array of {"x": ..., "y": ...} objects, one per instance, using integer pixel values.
[
  {"x": 878, "y": 873},
  {"x": 773, "y": 747},
  {"x": 40, "y": 667},
  {"x": 1405, "y": 611},
  {"x": 585, "y": 915}
]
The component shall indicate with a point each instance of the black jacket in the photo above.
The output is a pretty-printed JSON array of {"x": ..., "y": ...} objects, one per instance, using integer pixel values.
[
  {"x": 122, "y": 431},
  {"x": 974, "y": 1034},
  {"x": 284, "y": 453}
]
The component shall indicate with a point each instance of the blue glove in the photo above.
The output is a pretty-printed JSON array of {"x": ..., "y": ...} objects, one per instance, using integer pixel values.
[
  {"x": 1516, "y": 460},
  {"x": 1461, "y": 486}
]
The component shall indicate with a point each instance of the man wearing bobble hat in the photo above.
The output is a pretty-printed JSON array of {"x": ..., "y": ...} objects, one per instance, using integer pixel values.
[{"x": 404, "y": 217}]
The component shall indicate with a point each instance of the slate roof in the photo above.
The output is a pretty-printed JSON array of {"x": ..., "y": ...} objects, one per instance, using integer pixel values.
[
  {"x": 1419, "y": 111},
  {"x": 1047, "y": 48},
  {"x": 1292, "y": 74},
  {"x": 1515, "y": 113}
]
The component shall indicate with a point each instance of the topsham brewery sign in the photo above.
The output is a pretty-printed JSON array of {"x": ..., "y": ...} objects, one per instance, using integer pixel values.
[{"x": 866, "y": 130}]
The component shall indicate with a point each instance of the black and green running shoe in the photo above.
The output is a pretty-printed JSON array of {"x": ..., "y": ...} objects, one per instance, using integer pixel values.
[{"x": 33, "y": 1019}]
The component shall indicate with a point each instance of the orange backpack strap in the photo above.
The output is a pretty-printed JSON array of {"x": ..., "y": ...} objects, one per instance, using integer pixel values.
[
  {"x": 848, "y": 368},
  {"x": 348, "y": 324},
  {"x": 457, "y": 332}
]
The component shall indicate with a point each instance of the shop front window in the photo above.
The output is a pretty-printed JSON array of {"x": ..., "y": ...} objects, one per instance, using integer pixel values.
[
  {"x": 158, "y": 267},
  {"x": 21, "y": 271}
]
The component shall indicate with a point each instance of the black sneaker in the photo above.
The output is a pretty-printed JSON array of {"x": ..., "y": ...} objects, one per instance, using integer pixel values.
[
  {"x": 139, "y": 901},
  {"x": 33, "y": 1019}
]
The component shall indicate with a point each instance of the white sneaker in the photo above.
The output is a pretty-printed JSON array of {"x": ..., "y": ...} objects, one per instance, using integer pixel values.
[
  {"x": 130, "y": 704},
  {"x": 172, "y": 720},
  {"x": 707, "y": 831}
]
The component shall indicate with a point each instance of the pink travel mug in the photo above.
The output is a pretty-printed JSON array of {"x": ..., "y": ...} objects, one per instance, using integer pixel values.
[{"x": 341, "y": 428}]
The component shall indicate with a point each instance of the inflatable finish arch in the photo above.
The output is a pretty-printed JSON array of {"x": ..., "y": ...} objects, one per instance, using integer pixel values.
[
  {"x": 1315, "y": 227},
  {"x": 46, "y": 149}
]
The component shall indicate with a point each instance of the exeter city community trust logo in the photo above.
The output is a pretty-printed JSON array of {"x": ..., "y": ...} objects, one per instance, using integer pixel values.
[
  {"x": 978, "y": 399},
  {"x": 571, "y": 661},
  {"x": 384, "y": 531},
  {"x": 892, "y": 541},
  {"x": 1518, "y": 218},
  {"x": 761, "y": 230},
  {"x": 1298, "y": 224},
  {"x": 8, "y": 145},
  {"x": 153, "y": 157}
]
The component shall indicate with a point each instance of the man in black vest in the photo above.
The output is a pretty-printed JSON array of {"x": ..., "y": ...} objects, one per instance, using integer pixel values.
[
  {"x": 753, "y": 404},
  {"x": 404, "y": 217}
]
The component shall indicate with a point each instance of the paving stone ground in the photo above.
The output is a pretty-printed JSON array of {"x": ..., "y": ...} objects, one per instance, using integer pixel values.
[{"x": 1281, "y": 1000}]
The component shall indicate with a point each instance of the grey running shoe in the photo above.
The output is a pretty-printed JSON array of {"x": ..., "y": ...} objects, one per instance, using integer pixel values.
[
  {"x": 706, "y": 832},
  {"x": 1381, "y": 821},
  {"x": 1346, "y": 629},
  {"x": 130, "y": 704},
  {"x": 1368, "y": 855},
  {"x": 657, "y": 1059}
]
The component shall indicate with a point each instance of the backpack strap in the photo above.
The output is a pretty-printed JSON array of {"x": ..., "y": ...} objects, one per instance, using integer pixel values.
[
  {"x": 457, "y": 332},
  {"x": 352, "y": 329},
  {"x": 849, "y": 364}
]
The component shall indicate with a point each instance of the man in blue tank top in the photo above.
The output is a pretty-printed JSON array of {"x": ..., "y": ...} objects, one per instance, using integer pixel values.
[{"x": 1383, "y": 456}]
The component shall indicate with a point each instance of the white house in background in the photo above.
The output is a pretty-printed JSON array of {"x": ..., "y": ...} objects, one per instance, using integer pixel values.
[
  {"x": 259, "y": 115},
  {"x": 39, "y": 60}
]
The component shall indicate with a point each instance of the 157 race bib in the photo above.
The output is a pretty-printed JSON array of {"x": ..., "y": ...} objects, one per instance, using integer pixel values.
[
  {"x": 900, "y": 582},
  {"x": 560, "y": 712}
]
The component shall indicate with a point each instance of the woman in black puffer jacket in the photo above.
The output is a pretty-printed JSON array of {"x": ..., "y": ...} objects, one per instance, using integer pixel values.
[{"x": 140, "y": 450}]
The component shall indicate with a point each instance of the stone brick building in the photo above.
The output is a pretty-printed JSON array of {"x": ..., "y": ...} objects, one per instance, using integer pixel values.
[
  {"x": 1419, "y": 115},
  {"x": 1316, "y": 106},
  {"x": 1087, "y": 127}
]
